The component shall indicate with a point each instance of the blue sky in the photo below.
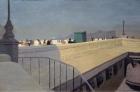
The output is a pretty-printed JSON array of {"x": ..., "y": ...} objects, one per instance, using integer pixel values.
[{"x": 58, "y": 18}]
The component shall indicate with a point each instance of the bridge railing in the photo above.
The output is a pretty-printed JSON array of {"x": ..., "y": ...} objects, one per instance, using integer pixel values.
[{"x": 54, "y": 75}]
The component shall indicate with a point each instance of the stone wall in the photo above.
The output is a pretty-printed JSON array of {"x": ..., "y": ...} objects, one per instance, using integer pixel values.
[
  {"x": 85, "y": 56},
  {"x": 68, "y": 51}
]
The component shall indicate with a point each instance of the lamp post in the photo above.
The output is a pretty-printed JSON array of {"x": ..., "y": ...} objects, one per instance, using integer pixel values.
[
  {"x": 123, "y": 22},
  {"x": 123, "y": 30}
]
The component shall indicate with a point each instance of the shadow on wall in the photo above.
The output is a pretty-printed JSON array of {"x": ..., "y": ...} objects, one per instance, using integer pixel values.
[{"x": 50, "y": 51}]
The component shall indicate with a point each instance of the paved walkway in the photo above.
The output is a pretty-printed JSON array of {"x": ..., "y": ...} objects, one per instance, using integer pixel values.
[{"x": 14, "y": 79}]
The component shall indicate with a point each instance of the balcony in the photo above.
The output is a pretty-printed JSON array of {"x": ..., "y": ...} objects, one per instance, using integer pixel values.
[
  {"x": 57, "y": 76},
  {"x": 89, "y": 66}
]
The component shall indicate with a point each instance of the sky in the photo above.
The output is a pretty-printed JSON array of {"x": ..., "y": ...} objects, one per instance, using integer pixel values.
[{"x": 47, "y": 19}]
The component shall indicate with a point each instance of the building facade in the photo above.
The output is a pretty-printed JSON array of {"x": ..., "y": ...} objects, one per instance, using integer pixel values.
[{"x": 80, "y": 37}]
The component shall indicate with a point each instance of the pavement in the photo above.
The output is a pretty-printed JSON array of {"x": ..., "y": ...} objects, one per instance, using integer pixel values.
[{"x": 13, "y": 78}]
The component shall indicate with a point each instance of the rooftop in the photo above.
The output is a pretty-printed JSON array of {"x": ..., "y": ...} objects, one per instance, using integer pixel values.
[{"x": 86, "y": 56}]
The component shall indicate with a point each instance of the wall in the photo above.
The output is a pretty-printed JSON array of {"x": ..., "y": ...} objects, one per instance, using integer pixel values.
[{"x": 68, "y": 51}]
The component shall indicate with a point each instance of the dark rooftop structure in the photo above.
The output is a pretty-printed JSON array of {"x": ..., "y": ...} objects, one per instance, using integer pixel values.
[
  {"x": 80, "y": 37},
  {"x": 8, "y": 43}
]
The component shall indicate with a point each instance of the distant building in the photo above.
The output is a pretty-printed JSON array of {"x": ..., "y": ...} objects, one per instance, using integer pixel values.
[
  {"x": 101, "y": 35},
  {"x": 36, "y": 43},
  {"x": 110, "y": 34},
  {"x": 42, "y": 42},
  {"x": 54, "y": 41},
  {"x": 80, "y": 37},
  {"x": 59, "y": 42}
]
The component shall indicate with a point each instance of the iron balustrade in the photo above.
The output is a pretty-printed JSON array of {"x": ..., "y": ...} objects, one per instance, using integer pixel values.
[
  {"x": 55, "y": 75},
  {"x": 63, "y": 77}
]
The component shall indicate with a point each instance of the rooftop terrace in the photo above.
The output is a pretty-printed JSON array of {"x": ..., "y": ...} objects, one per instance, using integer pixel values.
[
  {"x": 77, "y": 66},
  {"x": 86, "y": 56}
]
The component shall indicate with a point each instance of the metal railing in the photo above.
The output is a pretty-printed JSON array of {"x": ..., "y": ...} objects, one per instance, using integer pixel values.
[
  {"x": 55, "y": 75},
  {"x": 111, "y": 69},
  {"x": 58, "y": 76}
]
